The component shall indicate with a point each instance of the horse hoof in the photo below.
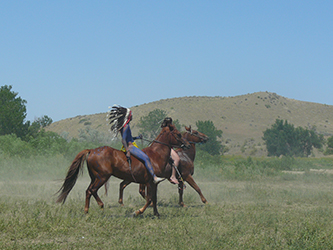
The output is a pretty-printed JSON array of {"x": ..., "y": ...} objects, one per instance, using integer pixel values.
[
  {"x": 136, "y": 213},
  {"x": 157, "y": 214}
]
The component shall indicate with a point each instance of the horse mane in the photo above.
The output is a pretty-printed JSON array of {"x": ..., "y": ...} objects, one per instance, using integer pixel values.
[{"x": 168, "y": 128}]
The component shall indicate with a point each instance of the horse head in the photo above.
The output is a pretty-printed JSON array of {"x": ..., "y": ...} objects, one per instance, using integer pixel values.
[
  {"x": 194, "y": 136},
  {"x": 172, "y": 137}
]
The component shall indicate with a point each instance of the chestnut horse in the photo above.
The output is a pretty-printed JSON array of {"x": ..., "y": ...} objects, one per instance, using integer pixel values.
[
  {"x": 103, "y": 162},
  {"x": 186, "y": 167}
]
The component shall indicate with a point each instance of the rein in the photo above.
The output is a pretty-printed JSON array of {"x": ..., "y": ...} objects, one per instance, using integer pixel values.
[{"x": 163, "y": 143}]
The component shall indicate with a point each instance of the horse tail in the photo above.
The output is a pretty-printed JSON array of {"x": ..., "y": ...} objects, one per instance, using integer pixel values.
[{"x": 72, "y": 175}]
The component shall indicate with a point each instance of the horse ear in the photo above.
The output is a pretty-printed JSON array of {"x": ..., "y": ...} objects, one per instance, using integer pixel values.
[{"x": 187, "y": 128}]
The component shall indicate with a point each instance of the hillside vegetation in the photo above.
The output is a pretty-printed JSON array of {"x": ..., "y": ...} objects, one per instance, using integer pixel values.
[{"x": 241, "y": 118}]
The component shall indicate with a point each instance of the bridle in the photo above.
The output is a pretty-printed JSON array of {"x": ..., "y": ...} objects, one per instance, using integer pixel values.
[
  {"x": 196, "y": 135},
  {"x": 169, "y": 145}
]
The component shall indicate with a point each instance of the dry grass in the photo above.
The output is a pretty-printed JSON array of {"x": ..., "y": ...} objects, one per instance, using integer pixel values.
[{"x": 241, "y": 118}]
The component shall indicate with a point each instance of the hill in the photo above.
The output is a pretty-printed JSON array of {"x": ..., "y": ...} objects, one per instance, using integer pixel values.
[{"x": 241, "y": 118}]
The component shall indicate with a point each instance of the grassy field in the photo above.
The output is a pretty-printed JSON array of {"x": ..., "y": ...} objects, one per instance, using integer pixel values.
[{"x": 252, "y": 205}]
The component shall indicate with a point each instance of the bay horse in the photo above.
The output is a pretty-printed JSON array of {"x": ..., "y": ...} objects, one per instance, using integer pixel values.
[
  {"x": 185, "y": 167},
  {"x": 103, "y": 162}
]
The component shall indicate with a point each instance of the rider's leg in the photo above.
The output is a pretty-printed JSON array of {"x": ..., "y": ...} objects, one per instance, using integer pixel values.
[
  {"x": 176, "y": 159},
  {"x": 138, "y": 153}
]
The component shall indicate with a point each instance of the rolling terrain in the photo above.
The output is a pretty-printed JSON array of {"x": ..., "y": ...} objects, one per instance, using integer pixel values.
[{"x": 241, "y": 118}]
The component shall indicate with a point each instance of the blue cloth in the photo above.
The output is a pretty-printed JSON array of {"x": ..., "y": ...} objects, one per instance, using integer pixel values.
[
  {"x": 139, "y": 154},
  {"x": 126, "y": 135}
]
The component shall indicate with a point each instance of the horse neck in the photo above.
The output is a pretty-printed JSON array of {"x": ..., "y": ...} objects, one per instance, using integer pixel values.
[
  {"x": 161, "y": 144},
  {"x": 190, "y": 152}
]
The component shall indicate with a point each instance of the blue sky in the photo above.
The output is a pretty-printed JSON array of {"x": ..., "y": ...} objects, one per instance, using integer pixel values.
[{"x": 69, "y": 58}]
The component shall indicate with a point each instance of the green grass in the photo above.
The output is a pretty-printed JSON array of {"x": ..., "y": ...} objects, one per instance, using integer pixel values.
[{"x": 264, "y": 211}]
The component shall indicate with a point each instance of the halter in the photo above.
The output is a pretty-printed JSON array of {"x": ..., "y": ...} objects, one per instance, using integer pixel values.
[{"x": 196, "y": 135}]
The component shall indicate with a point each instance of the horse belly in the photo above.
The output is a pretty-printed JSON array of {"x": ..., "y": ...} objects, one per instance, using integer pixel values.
[{"x": 136, "y": 173}]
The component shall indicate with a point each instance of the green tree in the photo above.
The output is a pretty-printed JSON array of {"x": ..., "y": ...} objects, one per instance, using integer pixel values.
[
  {"x": 213, "y": 146},
  {"x": 89, "y": 135},
  {"x": 12, "y": 145},
  {"x": 48, "y": 143},
  {"x": 284, "y": 139},
  {"x": 37, "y": 125},
  {"x": 330, "y": 142},
  {"x": 329, "y": 149},
  {"x": 150, "y": 125},
  {"x": 44, "y": 121},
  {"x": 277, "y": 136},
  {"x": 12, "y": 113}
]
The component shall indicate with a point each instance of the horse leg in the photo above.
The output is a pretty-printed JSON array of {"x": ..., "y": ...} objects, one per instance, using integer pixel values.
[
  {"x": 142, "y": 191},
  {"x": 151, "y": 195},
  {"x": 181, "y": 191},
  {"x": 154, "y": 199},
  {"x": 141, "y": 210},
  {"x": 92, "y": 190},
  {"x": 194, "y": 185},
  {"x": 88, "y": 196},
  {"x": 122, "y": 186},
  {"x": 106, "y": 186}
]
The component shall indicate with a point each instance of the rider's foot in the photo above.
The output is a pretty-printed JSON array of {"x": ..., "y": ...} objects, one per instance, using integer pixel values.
[
  {"x": 158, "y": 180},
  {"x": 174, "y": 180}
]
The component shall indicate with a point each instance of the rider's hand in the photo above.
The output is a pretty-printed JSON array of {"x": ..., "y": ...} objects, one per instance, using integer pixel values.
[{"x": 140, "y": 136}]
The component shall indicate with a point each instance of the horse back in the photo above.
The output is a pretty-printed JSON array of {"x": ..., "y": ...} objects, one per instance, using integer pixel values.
[{"x": 110, "y": 161}]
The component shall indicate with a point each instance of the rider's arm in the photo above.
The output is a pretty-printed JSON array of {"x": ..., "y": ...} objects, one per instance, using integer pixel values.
[{"x": 137, "y": 137}]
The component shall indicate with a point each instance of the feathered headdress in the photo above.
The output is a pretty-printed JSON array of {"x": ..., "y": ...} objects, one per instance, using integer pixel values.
[{"x": 119, "y": 117}]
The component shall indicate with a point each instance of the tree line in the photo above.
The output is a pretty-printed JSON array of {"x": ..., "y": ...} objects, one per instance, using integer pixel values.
[
  {"x": 20, "y": 137},
  {"x": 24, "y": 138}
]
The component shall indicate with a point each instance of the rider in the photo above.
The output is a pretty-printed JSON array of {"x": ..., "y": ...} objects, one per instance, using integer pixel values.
[
  {"x": 174, "y": 155},
  {"x": 120, "y": 118}
]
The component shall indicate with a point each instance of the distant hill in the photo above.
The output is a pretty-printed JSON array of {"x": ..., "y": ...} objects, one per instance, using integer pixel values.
[{"x": 241, "y": 118}]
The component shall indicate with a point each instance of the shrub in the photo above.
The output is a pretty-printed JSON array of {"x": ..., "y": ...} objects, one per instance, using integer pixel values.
[{"x": 11, "y": 145}]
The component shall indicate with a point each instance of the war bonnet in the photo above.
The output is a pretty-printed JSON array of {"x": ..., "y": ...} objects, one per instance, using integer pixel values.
[{"x": 119, "y": 116}]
